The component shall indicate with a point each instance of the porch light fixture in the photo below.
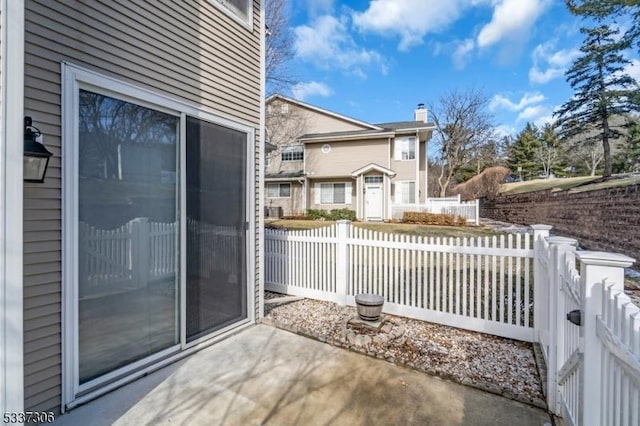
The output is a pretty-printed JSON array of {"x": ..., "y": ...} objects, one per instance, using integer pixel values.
[{"x": 36, "y": 156}]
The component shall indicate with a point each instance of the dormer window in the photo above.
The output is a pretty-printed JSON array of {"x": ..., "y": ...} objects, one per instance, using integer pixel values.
[{"x": 293, "y": 153}]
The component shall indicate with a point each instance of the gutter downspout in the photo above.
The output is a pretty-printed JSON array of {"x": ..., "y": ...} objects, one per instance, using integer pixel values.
[{"x": 303, "y": 183}]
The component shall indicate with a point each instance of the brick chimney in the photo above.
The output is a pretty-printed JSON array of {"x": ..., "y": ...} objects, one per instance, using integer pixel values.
[{"x": 420, "y": 114}]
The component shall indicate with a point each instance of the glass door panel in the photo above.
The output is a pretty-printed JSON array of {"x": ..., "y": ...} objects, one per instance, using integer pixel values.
[
  {"x": 127, "y": 233},
  {"x": 216, "y": 294}
]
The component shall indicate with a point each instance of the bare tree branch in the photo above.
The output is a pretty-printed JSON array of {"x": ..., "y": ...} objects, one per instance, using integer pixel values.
[
  {"x": 463, "y": 126},
  {"x": 279, "y": 47}
]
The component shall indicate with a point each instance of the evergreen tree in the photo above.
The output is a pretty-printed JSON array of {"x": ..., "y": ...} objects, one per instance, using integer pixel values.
[
  {"x": 601, "y": 90},
  {"x": 603, "y": 9},
  {"x": 522, "y": 153},
  {"x": 629, "y": 159}
]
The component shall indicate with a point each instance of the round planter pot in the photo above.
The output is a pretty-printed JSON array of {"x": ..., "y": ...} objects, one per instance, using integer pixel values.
[{"x": 369, "y": 306}]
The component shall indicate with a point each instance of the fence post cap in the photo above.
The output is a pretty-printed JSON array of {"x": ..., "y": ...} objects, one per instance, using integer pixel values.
[
  {"x": 601, "y": 258},
  {"x": 561, "y": 241},
  {"x": 343, "y": 221},
  {"x": 540, "y": 227}
]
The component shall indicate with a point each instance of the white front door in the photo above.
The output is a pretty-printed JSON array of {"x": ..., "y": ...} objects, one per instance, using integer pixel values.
[{"x": 373, "y": 202}]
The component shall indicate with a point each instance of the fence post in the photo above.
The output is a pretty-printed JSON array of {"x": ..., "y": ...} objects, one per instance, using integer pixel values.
[
  {"x": 477, "y": 212},
  {"x": 342, "y": 261},
  {"x": 540, "y": 281},
  {"x": 596, "y": 268},
  {"x": 561, "y": 249},
  {"x": 140, "y": 251}
]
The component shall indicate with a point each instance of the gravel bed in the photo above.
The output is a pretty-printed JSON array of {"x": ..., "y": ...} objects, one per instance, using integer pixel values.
[{"x": 494, "y": 364}]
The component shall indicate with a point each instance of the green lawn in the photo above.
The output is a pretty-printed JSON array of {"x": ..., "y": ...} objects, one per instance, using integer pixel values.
[{"x": 397, "y": 228}]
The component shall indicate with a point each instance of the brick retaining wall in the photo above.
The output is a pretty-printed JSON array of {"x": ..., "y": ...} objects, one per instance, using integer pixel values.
[{"x": 605, "y": 219}]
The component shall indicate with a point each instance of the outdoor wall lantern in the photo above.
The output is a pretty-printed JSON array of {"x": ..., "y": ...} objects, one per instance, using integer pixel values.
[{"x": 36, "y": 156}]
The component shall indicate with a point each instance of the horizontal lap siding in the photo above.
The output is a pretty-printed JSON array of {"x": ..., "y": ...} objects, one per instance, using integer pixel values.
[{"x": 191, "y": 51}]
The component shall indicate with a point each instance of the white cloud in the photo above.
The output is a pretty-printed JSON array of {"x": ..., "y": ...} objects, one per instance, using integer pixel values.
[
  {"x": 461, "y": 53},
  {"x": 633, "y": 70},
  {"x": 512, "y": 19},
  {"x": 301, "y": 91},
  {"x": 410, "y": 19},
  {"x": 503, "y": 102},
  {"x": 549, "y": 63},
  {"x": 537, "y": 114},
  {"x": 327, "y": 44}
]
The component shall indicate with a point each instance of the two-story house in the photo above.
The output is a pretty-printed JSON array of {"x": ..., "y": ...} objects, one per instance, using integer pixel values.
[
  {"x": 141, "y": 243},
  {"x": 329, "y": 161}
]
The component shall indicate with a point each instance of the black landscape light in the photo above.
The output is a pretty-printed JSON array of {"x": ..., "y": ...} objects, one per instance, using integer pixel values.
[{"x": 36, "y": 156}]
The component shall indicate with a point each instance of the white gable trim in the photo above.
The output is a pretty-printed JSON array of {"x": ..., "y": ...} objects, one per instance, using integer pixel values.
[
  {"x": 322, "y": 111},
  {"x": 373, "y": 166}
]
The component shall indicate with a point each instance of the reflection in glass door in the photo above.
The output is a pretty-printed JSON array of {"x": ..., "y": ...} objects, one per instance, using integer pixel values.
[
  {"x": 216, "y": 159},
  {"x": 127, "y": 233}
]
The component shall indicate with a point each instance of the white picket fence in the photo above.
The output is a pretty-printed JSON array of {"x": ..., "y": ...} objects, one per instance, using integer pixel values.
[
  {"x": 140, "y": 252},
  {"x": 481, "y": 284},
  {"x": 129, "y": 256},
  {"x": 453, "y": 206},
  {"x": 515, "y": 286},
  {"x": 594, "y": 367}
]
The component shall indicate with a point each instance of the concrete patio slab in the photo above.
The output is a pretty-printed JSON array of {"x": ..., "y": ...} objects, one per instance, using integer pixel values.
[{"x": 268, "y": 376}]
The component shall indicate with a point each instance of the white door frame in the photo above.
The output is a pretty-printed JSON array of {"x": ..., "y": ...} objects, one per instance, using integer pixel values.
[
  {"x": 74, "y": 78},
  {"x": 11, "y": 207}
]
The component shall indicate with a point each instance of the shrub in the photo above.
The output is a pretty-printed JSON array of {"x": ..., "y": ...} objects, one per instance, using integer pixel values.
[
  {"x": 316, "y": 214},
  {"x": 342, "y": 214},
  {"x": 335, "y": 214},
  {"x": 486, "y": 184},
  {"x": 433, "y": 219}
]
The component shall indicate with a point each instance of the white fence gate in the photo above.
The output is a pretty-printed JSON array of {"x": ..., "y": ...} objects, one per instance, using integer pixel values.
[{"x": 593, "y": 362}]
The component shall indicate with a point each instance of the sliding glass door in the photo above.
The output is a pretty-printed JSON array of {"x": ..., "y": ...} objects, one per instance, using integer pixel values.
[
  {"x": 155, "y": 243},
  {"x": 216, "y": 233},
  {"x": 127, "y": 233}
]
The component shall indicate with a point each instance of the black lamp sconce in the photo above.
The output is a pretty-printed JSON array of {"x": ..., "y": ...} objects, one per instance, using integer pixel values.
[{"x": 36, "y": 156}]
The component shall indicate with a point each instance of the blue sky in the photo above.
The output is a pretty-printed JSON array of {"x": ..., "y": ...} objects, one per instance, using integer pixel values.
[{"x": 376, "y": 60}]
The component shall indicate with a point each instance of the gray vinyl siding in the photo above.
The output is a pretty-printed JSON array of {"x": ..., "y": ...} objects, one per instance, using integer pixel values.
[{"x": 191, "y": 51}]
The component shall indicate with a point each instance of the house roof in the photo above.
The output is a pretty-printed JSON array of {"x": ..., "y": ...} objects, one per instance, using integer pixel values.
[
  {"x": 322, "y": 111},
  {"x": 407, "y": 125},
  {"x": 385, "y": 130},
  {"x": 268, "y": 147},
  {"x": 371, "y": 131},
  {"x": 284, "y": 176},
  {"x": 351, "y": 134}
]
